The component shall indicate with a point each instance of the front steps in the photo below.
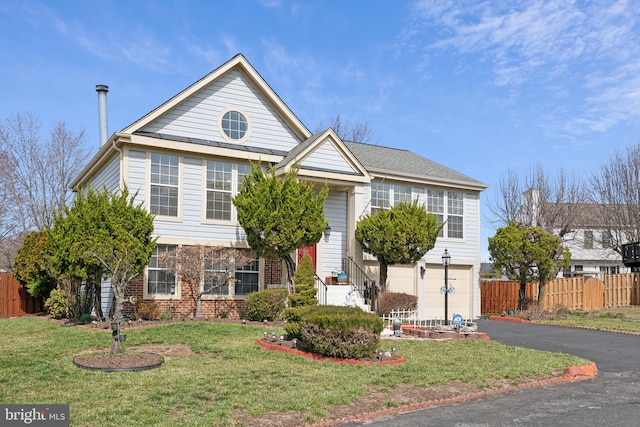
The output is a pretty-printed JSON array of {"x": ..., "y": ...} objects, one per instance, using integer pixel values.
[{"x": 336, "y": 295}]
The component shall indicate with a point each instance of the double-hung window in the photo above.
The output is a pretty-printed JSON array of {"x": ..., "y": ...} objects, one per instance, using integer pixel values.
[
  {"x": 247, "y": 279},
  {"x": 379, "y": 196},
  {"x": 159, "y": 281},
  {"x": 216, "y": 280},
  {"x": 435, "y": 205},
  {"x": 219, "y": 190},
  {"x": 451, "y": 204},
  {"x": 165, "y": 180},
  {"x": 455, "y": 211},
  {"x": 401, "y": 194}
]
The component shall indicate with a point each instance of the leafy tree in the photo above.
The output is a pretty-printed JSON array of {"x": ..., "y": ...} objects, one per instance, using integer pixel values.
[
  {"x": 280, "y": 215},
  {"x": 400, "y": 235},
  {"x": 528, "y": 254},
  {"x": 32, "y": 266},
  {"x": 304, "y": 278},
  {"x": 205, "y": 268},
  {"x": 105, "y": 230}
]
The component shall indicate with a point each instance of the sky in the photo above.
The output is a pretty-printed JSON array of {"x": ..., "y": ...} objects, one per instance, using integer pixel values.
[{"x": 482, "y": 87}]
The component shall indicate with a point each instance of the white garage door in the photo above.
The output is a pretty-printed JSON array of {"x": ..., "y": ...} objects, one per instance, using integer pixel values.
[{"x": 460, "y": 301}]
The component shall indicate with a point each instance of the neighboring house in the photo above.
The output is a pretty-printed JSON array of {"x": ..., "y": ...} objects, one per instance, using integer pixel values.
[
  {"x": 592, "y": 251},
  {"x": 186, "y": 159}
]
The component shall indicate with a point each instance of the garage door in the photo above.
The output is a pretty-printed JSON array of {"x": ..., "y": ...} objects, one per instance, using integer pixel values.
[{"x": 460, "y": 302}]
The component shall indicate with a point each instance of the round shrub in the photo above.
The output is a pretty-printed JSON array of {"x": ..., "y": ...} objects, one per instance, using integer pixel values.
[
  {"x": 267, "y": 304},
  {"x": 56, "y": 304},
  {"x": 334, "y": 331}
]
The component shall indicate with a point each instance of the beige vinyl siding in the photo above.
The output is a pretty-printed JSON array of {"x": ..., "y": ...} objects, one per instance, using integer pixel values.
[
  {"x": 402, "y": 278},
  {"x": 197, "y": 117},
  {"x": 327, "y": 157},
  {"x": 109, "y": 176}
]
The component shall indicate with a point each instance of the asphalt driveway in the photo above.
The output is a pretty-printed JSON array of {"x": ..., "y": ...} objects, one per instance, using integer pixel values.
[{"x": 612, "y": 398}]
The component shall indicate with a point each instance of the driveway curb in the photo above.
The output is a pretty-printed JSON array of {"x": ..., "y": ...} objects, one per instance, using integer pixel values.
[{"x": 573, "y": 373}]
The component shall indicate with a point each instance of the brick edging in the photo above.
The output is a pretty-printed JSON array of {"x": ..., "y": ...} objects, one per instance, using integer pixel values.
[{"x": 573, "y": 373}]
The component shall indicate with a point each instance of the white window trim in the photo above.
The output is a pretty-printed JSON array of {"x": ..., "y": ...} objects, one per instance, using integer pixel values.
[
  {"x": 160, "y": 297},
  {"x": 148, "y": 184},
  {"x": 224, "y": 134}
]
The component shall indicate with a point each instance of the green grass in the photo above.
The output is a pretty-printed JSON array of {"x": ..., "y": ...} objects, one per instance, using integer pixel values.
[
  {"x": 620, "y": 319},
  {"x": 230, "y": 374}
]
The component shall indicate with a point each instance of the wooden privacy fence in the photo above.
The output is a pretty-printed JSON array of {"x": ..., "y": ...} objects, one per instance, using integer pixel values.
[
  {"x": 617, "y": 290},
  {"x": 15, "y": 301}
]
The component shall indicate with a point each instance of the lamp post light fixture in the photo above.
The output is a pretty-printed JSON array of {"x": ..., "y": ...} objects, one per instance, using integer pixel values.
[{"x": 446, "y": 260}]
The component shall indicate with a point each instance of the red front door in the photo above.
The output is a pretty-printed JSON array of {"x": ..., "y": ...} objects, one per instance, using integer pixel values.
[{"x": 311, "y": 250}]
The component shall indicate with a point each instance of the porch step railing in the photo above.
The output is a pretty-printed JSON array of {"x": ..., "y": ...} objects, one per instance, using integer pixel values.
[
  {"x": 362, "y": 283},
  {"x": 322, "y": 290}
]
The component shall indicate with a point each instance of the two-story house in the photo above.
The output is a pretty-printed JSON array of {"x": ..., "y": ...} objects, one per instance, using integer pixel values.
[{"x": 186, "y": 160}]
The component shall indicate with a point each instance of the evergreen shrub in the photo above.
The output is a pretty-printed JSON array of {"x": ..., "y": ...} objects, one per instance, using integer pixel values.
[
  {"x": 267, "y": 304},
  {"x": 334, "y": 331}
]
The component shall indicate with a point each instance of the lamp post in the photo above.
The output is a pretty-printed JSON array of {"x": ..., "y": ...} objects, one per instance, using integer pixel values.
[{"x": 446, "y": 259}]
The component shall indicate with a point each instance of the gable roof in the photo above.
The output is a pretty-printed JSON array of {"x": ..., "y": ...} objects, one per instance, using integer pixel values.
[
  {"x": 305, "y": 152},
  {"x": 239, "y": 63},
  {"x": 395, "y": 162}
]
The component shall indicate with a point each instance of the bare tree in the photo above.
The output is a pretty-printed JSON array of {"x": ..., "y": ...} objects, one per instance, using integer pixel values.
[
  {"x": 37, "y": 173},
  {"x": 348, "y": 131},
  {"x": 202, "y": 269},
  {"x": 555, "y": 203},
  {"x": 614, "y": 188}
]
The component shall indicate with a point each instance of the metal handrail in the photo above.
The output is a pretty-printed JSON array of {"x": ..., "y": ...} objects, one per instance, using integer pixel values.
[
  {"x": 322, "y": 291},
  {"x": 364, "y": 285}
]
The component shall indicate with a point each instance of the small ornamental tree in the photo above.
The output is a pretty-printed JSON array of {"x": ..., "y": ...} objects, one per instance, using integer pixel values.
[
  {"x": 32, "y": 265},
  {"x": 400, "y": 235},
  {"x": 205, "y": 268},
  {"x": 528, "y": 254},
  {"x": 110, "y": 231},
  {"x": 305, "y": 290},
  {"x": 280, "y": 215}
]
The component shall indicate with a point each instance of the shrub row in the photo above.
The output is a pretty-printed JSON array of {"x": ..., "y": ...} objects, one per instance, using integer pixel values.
[{"x": 389, "y": 301}]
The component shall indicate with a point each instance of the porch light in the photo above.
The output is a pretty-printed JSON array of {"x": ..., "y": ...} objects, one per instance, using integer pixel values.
[
  {"x": 422, "y": 271},
  {"x": 327, "y": 231}
]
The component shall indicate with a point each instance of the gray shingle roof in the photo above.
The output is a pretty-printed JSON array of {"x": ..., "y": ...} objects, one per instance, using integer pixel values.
[{"x": 382, "y": 160}]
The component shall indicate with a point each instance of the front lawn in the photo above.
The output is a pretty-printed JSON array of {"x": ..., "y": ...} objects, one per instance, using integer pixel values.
[
  {"x": 619, "y": 319},
  {"x": 228, "y": 378}
]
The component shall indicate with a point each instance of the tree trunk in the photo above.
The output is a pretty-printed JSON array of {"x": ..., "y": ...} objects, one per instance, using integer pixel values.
[
  {"x": 118, "y": 304},
  {"x": 542, "y": 292},
  {"x": 383, "y": 276},
  {"x": 522, "y": 295},
  {"x": 198, "y": 305},
  {"x": 291, "y": 268}
]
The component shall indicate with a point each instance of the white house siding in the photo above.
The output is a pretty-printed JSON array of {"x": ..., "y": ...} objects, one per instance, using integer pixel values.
[
  {"x": 334, "y": 249},
  {"x": 197, "y": 117},
  {"x": 327, "y": 157},
  {"x": 109, "y": 177}
]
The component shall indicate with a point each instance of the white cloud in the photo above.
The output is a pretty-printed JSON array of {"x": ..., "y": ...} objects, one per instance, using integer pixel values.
[{"x": 589, "y": 49}]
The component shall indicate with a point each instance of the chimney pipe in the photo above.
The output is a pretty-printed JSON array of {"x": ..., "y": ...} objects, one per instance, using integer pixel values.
[{"x": 102, "y": 112}]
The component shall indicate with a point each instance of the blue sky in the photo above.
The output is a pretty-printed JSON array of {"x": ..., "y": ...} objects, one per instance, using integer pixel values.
[{"x": 479, "y": 86}]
